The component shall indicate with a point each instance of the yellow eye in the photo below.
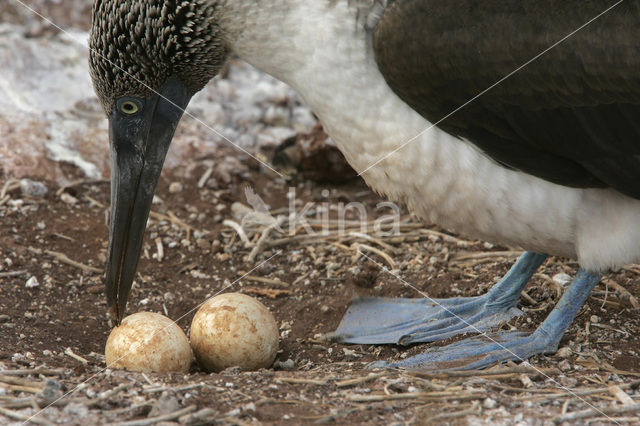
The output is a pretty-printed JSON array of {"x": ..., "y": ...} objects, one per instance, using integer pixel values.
[{"x": 129, "y": 107}]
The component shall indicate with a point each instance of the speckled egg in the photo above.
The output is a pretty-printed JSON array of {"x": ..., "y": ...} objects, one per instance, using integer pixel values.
[
  {"x": 234, "y": 330},
  {"x": 148, "y": 342}
]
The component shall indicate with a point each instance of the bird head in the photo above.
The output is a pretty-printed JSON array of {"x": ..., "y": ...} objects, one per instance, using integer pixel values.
[{"x": 147, "y": 59}]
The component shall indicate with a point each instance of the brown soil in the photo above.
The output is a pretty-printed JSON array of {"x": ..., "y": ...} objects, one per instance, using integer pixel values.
[{"x": 67, "y": 310}]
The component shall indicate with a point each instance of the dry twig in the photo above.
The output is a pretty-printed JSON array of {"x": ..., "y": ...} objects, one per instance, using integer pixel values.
[
  {"x": 65, "y": 259},
  {"x": 593, "y": 412},
  {"x": 158, "y": 419},
  {"x": 24, "y": 417},
  {"x": 69, "y": 352}
]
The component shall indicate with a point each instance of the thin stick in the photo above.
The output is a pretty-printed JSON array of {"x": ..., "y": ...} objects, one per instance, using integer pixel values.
[
  {"x": 266, "y": 280},
  {"x": 385, "y": 256},
  {"x": 236, "y": 227},
  {"x": 20, "y": 388},
  {"x": 205, "y": 177},
  {"x": 94, "y": 202},
  {"x": 158, "y": 419},
  {"x": 488, "y": 255},
  {"x": 13, "y": 274},
  {"x": 80, "y": 182},
  {"x": 621, "y": 395},
  {"x": 302, "y": 381},
  {"x": 24, "y": 417},
  {"x": 373, "y": 240},
  {"x": 178, "y": 389},
  {"x": 175, "y": 219},
  {"x": 445, "y": 237},
  {"x": 623, "y": 293},
  {"x": 28, "y": 371},
  {"x": 18, "y": 381},
  {"x": 494, "y": 372},
  {"x": 65, "y": 259},
  {"x": 9, "y": 185},
  {"x": 70, "y": 353},
  {"x": 438, "y": 396},
  {"x": 108, "y": 394},
  {"x": 359, "y": 380},
  {"x": 263, "y": 239},
  {"x": 632, "y": 268},
  {"x": 607, "y": 411}
]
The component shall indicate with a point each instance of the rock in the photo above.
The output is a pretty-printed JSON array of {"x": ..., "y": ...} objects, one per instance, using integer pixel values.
[
  {"x": 489, "y": 403},
  {"x": 564, "y": 352},
  {"x": 68, "y": 199},
  {"x": 204, "y": 416},
  {"x": 52, "y": 391},
  {"x": 203, "y": 244},
  {"x": 32, "y": 283},
  {"x": 231, "y": 371},
  {"x": 287, "y": 365},
  {"x": 350, "y": 355},
  {"x": 164, "y": 405},
  {"x": 31, "y": 188},
  {"x": 562, "y": 279},
  {"x": 175, "y": 187},
  {"x": 76, "y": 409}
]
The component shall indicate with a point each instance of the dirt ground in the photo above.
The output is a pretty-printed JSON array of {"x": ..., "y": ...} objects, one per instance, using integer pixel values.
[{"x": 53, "y": 322}]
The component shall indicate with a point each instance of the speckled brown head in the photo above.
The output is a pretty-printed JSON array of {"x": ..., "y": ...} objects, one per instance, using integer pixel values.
[
  {"x": 147, "y": 58},
  {"x": 136, "y": 45}
]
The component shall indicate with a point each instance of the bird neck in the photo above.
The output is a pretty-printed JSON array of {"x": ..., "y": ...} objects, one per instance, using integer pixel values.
[
  {"x": 266, "y": 34},
  {"x": 323, "y": 50}
]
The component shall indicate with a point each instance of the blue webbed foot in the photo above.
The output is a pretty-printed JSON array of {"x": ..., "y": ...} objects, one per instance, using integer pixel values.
[
  {"x": 475, "y": 353},
  {"x": 408, "y": 321},
  {"x": 488, "y": 349}
]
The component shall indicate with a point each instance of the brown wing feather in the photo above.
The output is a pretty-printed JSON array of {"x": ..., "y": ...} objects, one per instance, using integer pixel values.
[{"x": 571, "y": 116}]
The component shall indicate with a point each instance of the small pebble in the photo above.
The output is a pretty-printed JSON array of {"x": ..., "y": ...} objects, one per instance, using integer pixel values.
[
  {"x": 489, "y": 403},
  {"x": 350, "y": 354},
  {"x": 564, "y": 352},
  {"x": 175, "y": 187},
  {"x": 164, "y": 405},
  {"x": 287, "y": 365},
  {"x": 562, "y": 279},
  {"x": 68, "y": 199},
  {"x": 76, "y": 409},
  {"x": 203, "y": 244},
  {"x": 32, "y": 282},
  {"x": 231, "y": 371},
  {"x": 31, "y": 188}
]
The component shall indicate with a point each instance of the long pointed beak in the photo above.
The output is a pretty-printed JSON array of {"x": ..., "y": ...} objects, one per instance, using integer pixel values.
[{"x": 139, "y": 144}]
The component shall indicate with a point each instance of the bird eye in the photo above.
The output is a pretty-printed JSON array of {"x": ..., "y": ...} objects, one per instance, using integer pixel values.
[{"x": 129, "y": 107}]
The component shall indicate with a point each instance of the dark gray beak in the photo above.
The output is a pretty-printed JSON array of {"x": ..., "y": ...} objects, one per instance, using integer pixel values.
[{"x": 139, "y": 143}]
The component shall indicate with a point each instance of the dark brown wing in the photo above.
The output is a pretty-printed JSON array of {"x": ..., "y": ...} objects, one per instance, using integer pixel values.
[{"x": 572, "y": 116}]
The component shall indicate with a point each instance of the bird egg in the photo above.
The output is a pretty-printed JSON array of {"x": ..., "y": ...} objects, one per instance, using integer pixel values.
[
  {"x": 234, "y": 330},
  {"x": 148, "y": 342}
]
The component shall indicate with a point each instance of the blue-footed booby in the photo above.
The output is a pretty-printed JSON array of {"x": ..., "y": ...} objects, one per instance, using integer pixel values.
[{"x": 513, "y": 121}]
